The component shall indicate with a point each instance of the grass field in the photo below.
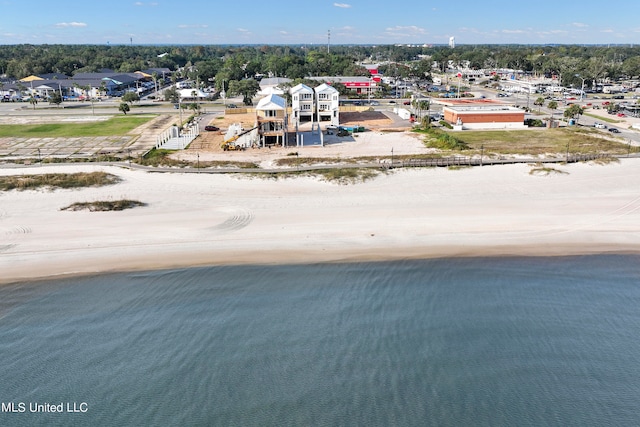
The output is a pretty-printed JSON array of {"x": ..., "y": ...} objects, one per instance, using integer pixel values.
[
  {"x": 115, "y": 126},
  {"x": 542, "y": 141}
]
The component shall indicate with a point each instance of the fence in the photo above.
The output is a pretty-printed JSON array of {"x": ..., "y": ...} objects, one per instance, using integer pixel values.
[
  {"x": 478, "y": 161},
  {"x": 172, "y": 139}
]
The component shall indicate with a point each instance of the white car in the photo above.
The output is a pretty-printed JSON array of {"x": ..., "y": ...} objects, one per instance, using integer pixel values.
[{"x": 599, "y": 126}]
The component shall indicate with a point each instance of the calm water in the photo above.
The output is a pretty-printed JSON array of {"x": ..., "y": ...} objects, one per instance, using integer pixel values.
[{"x": 462, "y": 342}]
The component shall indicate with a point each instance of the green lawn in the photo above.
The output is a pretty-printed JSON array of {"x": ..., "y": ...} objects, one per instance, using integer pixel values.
[
  {"x": 112, "y": 127},
  {"x": 540, "y": 141}
]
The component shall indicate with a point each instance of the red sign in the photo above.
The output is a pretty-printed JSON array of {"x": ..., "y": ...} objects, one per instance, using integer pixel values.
[{"x": 459, "y": 75}]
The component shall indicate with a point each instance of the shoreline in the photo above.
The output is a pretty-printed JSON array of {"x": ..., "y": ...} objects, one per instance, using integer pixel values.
[
  {"x": 196, "y": 220},
  {"x": 313, "y": 259}
]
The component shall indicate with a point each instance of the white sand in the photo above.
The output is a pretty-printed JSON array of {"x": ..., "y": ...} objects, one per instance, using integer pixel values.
[{"x": 200, "y": 219}]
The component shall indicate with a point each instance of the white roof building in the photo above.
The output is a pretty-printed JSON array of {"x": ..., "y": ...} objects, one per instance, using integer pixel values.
[
  {"x": 328, "y": 104},
  {"x": 302, "y": 103}
]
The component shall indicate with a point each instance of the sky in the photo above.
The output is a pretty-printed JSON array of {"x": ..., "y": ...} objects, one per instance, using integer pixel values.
[{"x": 309, "y": 22}]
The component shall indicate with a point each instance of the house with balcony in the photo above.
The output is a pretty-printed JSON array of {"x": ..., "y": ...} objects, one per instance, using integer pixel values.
[
  {"x": 327, "y": 104},
  {"x": 302, "y": 104},
  {"x": 271, "y": 120}
]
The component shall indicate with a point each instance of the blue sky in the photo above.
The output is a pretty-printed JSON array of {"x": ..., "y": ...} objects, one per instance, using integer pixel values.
[{"x": 307, "y": 22}]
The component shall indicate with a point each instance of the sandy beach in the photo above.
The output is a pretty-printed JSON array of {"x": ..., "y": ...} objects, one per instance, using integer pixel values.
[{"x": 202, "y": 219}]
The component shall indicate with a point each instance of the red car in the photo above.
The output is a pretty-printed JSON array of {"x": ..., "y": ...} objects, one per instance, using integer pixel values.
[
  {"x": 622, "y": 115},
  {"x": 407, "y": 102}
]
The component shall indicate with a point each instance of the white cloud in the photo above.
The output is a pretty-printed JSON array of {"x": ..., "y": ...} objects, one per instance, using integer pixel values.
[
  {"x": 193, "y": 26},
  {"x": 141, "y": 4},
  {"x": 607, "y": 31},
  {"x": 405, "y": 31},
  {"x": 580, "y": 25},
  {"x": 513, "y": 31},
  {"x": 342, "y": 5},
  {"x": 283, "y": 32},
  {"x": 70, "y": 24},
  {"x": 243, "y": 30}
]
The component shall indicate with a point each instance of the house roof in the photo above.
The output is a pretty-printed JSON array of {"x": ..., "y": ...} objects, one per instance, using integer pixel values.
[
  {"x": 118, "y": 78},
  {"x": 30, "y": 78},
  {"x": 325, "y": 88},
  {"x": 272, "y": 102},
  {"x": 342, "y": 79},
  {"x": 484, "y": 109},
  {"x": 273, "y": 81},
  {"x": 271, "y": 90},
  {"x": 188, "y": 93},
  {"x": 53, "y": 76},
  {"x": 300, "y": 88}
]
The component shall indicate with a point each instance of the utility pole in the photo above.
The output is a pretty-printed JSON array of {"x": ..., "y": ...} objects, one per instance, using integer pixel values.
[{"x": 328, "y": 39}]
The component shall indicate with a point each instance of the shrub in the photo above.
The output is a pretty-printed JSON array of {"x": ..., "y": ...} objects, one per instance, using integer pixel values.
[{"x": 534, "y": 123}]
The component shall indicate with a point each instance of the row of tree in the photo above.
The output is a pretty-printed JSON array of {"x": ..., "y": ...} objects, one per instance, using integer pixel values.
[{"x": 226, "y": 64}]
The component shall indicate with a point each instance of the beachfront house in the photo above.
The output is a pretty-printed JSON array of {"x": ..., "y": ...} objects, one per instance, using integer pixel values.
[
  {"x": 271, "y": 120},
  {"x": 302, "y": 103},
  {"x": 328, "y": 104}
]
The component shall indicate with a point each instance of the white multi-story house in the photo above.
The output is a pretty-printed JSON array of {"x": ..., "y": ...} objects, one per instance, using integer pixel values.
[
  {"x": 328, "y": 104},
  {"x": 271, "y": 120},
  {"x": 302, "y": 103}
]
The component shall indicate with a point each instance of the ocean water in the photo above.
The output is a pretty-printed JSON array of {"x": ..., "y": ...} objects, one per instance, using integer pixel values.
[{"x": 444, "y": 342}]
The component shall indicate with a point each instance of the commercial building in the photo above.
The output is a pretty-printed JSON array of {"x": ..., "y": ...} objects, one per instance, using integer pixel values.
[{"x": 489, "y": 116}]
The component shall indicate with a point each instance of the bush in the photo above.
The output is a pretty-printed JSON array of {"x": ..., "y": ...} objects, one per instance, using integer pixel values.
[
  {"x": 446, "y": 124},
  {"x": 537, "y": 123},
  {"x": 444, "y": 141}
]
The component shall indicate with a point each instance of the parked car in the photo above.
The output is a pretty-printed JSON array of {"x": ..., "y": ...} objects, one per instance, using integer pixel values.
[
  {"x": 614, "y": 130},
  {"x": 211, "y": 128},
  {"x": 622, "y": 115},
  {"x": 407, "y": 102},
  {"x": 618, "y": 97},
  {"x": 599, "y": 126},
  {"x": 232, "y": 106}
]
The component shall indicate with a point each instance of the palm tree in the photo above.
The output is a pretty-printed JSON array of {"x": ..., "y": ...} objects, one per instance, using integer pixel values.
[
  {"x": 552, "y": 105},
  {"x": 539, "y": 102}
]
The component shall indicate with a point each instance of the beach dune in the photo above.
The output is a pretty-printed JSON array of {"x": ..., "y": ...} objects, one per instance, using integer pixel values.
[{"x": 203, "y": 219}]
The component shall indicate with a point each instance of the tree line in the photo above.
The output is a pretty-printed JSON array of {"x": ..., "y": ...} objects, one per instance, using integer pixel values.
[{"x": 218, "y": 63}]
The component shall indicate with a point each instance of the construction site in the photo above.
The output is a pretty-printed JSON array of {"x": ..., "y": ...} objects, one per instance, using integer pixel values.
[{"x": 244, "y": 130}]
